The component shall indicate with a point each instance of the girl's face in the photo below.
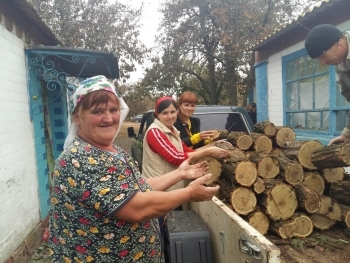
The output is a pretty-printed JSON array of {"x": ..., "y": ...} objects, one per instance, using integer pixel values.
[
  {"x": 168, "y": 116},
  {"x": 187, "y": 109},
  {"x": 98, "y": 125}
]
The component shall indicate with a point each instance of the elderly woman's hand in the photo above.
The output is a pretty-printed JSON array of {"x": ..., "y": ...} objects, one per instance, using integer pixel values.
[
  {"x": 199, "y": 192},
  {"x": 192, "y": 171}
]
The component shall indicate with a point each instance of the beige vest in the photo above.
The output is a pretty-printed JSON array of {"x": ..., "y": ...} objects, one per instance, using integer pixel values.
[{"x": 153, "y": 164}]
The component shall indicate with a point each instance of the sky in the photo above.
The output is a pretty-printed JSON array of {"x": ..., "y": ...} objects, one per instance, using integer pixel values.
[{"x": 149, "y": 20}]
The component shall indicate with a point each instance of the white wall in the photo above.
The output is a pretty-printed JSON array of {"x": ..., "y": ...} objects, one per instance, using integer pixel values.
[{"x": 19, "y": 209}]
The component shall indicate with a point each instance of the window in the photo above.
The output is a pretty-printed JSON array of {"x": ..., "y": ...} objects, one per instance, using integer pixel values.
[
  {"x": 312, "y": 97},
  {"x": 307, "y": 90}
]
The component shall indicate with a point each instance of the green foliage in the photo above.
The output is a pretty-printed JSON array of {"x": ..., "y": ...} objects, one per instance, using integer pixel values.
[
  {"x": 298, "y": 243},
  {"x": 326, "y": 241}
]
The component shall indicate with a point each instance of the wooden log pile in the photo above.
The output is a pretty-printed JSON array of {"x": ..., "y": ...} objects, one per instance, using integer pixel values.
[{"x": 278, "y": 184}]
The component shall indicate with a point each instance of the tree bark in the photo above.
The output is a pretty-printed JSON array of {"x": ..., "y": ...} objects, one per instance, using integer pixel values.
[
  {"x": 340, "y": 192},
  {"x": 265, "y": 127},
  {"x": 307, "y": 198},
  {"x": 337, "y": 155},
  {"x": 292, "y": 172},
  {"x": 301, "y": 151}
]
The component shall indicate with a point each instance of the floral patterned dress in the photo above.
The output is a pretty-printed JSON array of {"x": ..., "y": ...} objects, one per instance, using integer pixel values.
[{"x": 90, "y": 185}]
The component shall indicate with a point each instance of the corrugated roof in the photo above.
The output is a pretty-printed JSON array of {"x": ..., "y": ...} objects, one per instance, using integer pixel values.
[{"x": 297, "y": 23}]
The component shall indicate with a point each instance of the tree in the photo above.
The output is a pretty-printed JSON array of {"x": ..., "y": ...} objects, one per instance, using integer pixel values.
[
  {"x": 209, "y": 42},
  {"x": 98, "y": 25}
]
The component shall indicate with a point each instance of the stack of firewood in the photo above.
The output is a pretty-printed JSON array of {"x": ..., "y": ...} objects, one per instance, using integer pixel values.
[{"x": 278, "y": 184}]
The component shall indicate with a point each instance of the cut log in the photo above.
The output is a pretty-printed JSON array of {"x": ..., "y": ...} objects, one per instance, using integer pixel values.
[
  {"x": 265, "y": 127},
  {"x": 279, "y": 200},
  {"x": 267, "y": 166},
  {"x": 283, "y": 135},
  {"x": 259, "y": 186},
  {"x": 307, "y": 198},
  {"x": 241, "y": 172},
  {"x": 262, "y": 143},
  {"x": 291, "y": 171},
  {"x": 299, "y": 225},
  {"x": 314, "y": 181},
  {"x": 275, "y": 152},
  {"x": 336, "y": 155},
  {"x": 243, "y": 200},
  {"x": 332, "y": 175},
  {"x": 223, "y": 134},
  {"x": 240, "y": 139},
  {"x": 216, "y": 135},
  {"x": 259, "y": 221},
  {"x": 237, "y": 153},
  {"x": 321, "y": 221},
  {"x": 225, "y": 145},
  {"x": 340, "y": 192},
  {"x": 330, "y": 208},
  {"x": 301, "y": 151},
  {"x": 214, "y": 169},
  {"x": 345, "y": 214}
]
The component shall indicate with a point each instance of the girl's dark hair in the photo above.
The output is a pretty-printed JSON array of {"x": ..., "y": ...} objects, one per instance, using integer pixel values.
[
  {"x": 163, "y": 105},
  {"x": 95, "y": 99}
]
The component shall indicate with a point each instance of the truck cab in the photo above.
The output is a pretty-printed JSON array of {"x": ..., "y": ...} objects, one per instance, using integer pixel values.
[{"x": 212, "y": 117}]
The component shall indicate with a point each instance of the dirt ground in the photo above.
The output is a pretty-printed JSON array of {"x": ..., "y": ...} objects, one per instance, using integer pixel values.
[{"x": 330, "y": 246}]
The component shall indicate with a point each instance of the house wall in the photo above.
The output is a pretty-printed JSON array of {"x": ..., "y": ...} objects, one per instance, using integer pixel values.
[
  {"x": 275, "y": 110},
  {"x": 19, "y": 210}
]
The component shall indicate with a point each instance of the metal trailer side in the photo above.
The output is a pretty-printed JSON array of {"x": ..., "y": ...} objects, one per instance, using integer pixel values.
[{"x": 233, "y": 240}]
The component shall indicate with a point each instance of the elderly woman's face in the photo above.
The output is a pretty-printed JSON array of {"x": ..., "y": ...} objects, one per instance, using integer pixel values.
[
  {"x": 168, "y": 116},
  {"x": 100, "y": 123}
]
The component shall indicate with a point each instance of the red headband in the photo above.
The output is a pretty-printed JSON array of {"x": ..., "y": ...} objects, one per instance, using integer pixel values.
[{"x": 160, "y": 100}]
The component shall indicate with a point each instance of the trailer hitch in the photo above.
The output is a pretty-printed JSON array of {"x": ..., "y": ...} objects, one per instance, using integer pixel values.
[{"x": 247, "y": 247}]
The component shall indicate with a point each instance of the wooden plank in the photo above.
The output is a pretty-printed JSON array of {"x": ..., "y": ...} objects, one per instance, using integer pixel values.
[{"x": 226, "y": 228}]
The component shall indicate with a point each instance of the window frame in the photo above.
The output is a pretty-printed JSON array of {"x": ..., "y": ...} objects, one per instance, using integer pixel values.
[{"x": 331, "y": 131}]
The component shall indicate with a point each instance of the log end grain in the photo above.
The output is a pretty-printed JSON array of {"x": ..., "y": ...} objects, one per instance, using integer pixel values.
[{"x": 243, "y": 200}]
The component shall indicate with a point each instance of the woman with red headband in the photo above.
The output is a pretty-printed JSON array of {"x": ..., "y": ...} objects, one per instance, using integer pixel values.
[{"x": 163, "y": 149}]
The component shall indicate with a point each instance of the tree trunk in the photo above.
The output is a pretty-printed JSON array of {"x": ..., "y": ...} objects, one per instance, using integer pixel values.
[
  {"x": 283, "y": 135},
  {"x": 237, "y": 153},
  {"x": 307, "y": 198},
  {"x": 314, "y": 181},
  {"x": 265, "y": 127},
  {"x": 330, "y": 208},
  {"x": 267, "y": 166},
  {"x": 241, "y": 172},
  {"x": 321, "y": 221},
  {"x": 340, "y": 192},
  {"x": 243, "y": 200},
  {"x": 332, "y": 175},
  {"x": 301, "y": 151},
  {"x": 214, "y": 169},
  {"x": 262, "y": 143},
  {"x": 259, "y": 186},
  {"x": 299, "y": 225},
  {"x": 259, "y": 221},
  {"x": 345, "y": 214},
  {"x": 240, "y": 139},
  {"x": 279, "y": 200},
  {"x": 291, "y": 171},
  {"x": 336, "y": 155}
]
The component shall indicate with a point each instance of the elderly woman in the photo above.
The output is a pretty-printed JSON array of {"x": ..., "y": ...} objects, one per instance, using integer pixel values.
[
  {"x": 163, "y": 150},
  {"x": 188, "y": 126},
  {"x": 103, "y": 210}
]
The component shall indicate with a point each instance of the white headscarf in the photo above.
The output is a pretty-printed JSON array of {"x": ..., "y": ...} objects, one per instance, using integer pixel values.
[{"x": 89, "y": 85}]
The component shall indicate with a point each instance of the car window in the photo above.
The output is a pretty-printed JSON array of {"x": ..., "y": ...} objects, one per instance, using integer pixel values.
[{"x": 222, "y": 121}]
